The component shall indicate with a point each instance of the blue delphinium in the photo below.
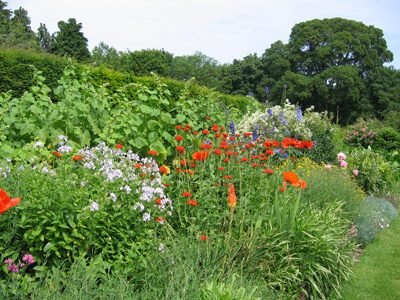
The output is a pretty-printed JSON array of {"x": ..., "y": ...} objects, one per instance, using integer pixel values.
[
  {"x": 255, "y": 132},
  {"x": 270, "y": 113},
  {"x": 282, "y": 118},
  {"x": 299, "y": 114},
  {"x": 232, "y": 127}
]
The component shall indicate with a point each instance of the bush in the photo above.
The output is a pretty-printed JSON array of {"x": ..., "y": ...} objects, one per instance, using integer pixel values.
[
  {"x": 387, "y": 140},
  {"x": 374, "y": 215}
]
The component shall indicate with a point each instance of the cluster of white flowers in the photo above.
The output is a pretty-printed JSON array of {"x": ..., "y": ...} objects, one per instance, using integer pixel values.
[
  {"x": 279, "y": 121},
  {"x": 136, "y": 177}
]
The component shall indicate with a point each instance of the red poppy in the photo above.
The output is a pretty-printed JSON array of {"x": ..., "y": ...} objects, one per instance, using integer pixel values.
[
  {"x": 244, "y": 159},
  {"x": 190, "y": 172},
  {"x": 200, "y": 155},
  {"x": 187, "y": 194},
  {"x": 268, "y": 171},
  {"x": 217, "y": 151},
  {"x": 164, "y": 170},
  {"x": 192, "y": 202},
  {"x": 203, "y": 237},
  {"x": 221, "y": 168},
  {"x": 160, "y": 220},
  {"x": 291, "y": 177},
  {"x": 227, "y": 177},
  {"x": 119, "y": 146},
  {"x": 166, "y": 184},
  {"x": 225, "y": 160},
  {"x": 205, "y": 131},
  {"x": 301, "y": 184},
  {"x": 56, "y": 153},
  {"x": 152, "y": 152},
  {"x": 193, "y": 165},
  {"x": 178, "y": 127},
  {"x": 6, "y": 202},
  {"x": 158, "y": 201},
  {"x": 254, "y": 165},
  {"x": 215, "y": 128},
  {"x": 232, "y": 200},
  {"x": 138, "y": 166},
  {"x": 231, "y": 138},
  {"x": 269, "y": 152},
  {"x": 195, "y": 132},
  {"x": 77, "y": 157},
  {"x": 206, "y": 146},
  {"x": 182, "y": 162},
  {"x": 247, "y": 134},
  {"x": 180, "y": 149},
  {"x": 178, "y": 138}
]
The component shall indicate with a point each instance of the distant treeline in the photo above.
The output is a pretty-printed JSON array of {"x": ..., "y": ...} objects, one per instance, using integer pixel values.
[{"x": 333, "y": 64}]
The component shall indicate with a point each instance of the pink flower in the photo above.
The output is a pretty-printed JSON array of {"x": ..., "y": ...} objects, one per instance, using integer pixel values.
[
  {"x": 355, "y": 172},
  {"x": 13, "y": 268},
  {"x": 343, "y": 164},
  {"x": 29, "y": 259},
  {"x": 341, "y": 156},
  {"x": 8, "y": 261}
]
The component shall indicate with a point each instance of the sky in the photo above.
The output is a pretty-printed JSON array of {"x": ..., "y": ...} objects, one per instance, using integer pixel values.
[{"x": 222, "y": 29}]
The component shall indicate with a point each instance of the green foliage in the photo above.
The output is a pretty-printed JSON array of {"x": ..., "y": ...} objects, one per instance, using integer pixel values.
[
  {"x": 374, "y": 215},
  {"x": 375, "y": 173},
  {"x": 387, "y": 140},
  {"x": 70, "y": 41},
  {"x": 144, "y": 62}
]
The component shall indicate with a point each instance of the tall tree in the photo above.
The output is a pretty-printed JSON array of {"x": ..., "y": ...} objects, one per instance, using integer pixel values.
[
  {"x": 44, "y": 38},
  {"x": 106, "y": 55},
  {"x": 70, "y": 41},
  {"x": 320, "y": 44},
  {"x": 5, "y": 18},
  {"x": 143, "y": 62}
]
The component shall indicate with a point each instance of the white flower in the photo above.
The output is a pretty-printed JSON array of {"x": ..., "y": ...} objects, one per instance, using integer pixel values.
[
  {"x": 146, "y": 216},
  {"x": 64, "y": 149},
  {"x": 63, "y": 139},
  {"x": 161, "y": 247},
  {"x": 113, "y": 197},
  {"x": 83, "y": 183},
  {"x": 94, "y": 206},
  {"x": 38, "y": 144},
  {"x": 127, "y": 189}
]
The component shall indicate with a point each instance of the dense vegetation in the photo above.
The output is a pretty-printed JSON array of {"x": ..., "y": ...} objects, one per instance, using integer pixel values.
[{"x": 119, "y": 186}]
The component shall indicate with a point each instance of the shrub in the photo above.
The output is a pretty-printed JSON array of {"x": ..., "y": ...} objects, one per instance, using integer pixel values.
[
  {"x": 374, "y": 215},
  {"x": 387, "y": 140},
  {"x": 374, "y": 172},
  {"x": 84, "y": 203}
]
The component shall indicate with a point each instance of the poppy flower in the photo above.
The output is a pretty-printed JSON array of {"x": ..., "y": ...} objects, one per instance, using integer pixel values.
[
  {"x": 180, "y": 149},
  {"x": 247, "y": 134},
  {"x": 232, "y": 200},
  {"x": 231, "y": 138},
  {"x": 205, "y": 131},
  {"x": 206, "y": 146},
  {"x": 152, "y": 152},
  {"x": 244, "y": 159},
  {"x": 229, "y": 177},
  {"x": 268, "y": 171},
  {"x": 200, "y": 155},
  {"x": 164, "y": 170},
  {"x": 56, "y": 153},
  {"x": 160, "y": 220},
  {"x": 254, "y": 165},
  {"x": 138, "y": 166},
  {"x": 166, "y": 184},
  {"x": 187, "y": 194},
  {"x": 178, "y": 138},
  {"x": 6, "y": 202},
  {"x": 203, "y": 237},
  {"x": 291, "y": 177},
  {"x": 193, "y": 165},
  {"x": 119, "y": 146},
  {"x": 221, "y": 168},
  {"x": 215, "y": 128},
  {"x": 178, "y": 127},
  {"x": 217, "y": 151},
  {"x": 158, "y": 201},
  {"x": 77, "y": 157},
  {"x": 182, "y": 162},
  {"x": 195, "y": 132},
  {"x": 192, "y": 202}
]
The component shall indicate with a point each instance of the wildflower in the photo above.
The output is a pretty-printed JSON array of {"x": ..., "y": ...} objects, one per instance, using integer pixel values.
[
  {"x": 77, "y": 157},
  {"x": 146, "y": 217},
  {"x": 232, "y": 127},
  {"x": 113, "y": 197},
  {"x": 355, "y": 172},
  {"x": 56, "y": 153},
  {"x": 178, "y": 138},
  {"x": 205, "y": 131},
  {"x": 203, "y": 237},
  {"x": 6, "y": 202},
  {"x": 152, "y": 152},
  {"x": 160, "y": 220},
  {"x": 193, "y": 202},
  {"x": 290, "y": 177},
  {"x": 217, "y": 151},
  {"x": 164, "y": 170},
  {"x": 244, "y": 159},
  {"x": 29, "y": 259},
  {"x": 64, "y": 149},
  {"x": 215, "y": 128},
  {"x": 301, "y": 184},
  {"x": 138, "y": 166},
  {"x": 206, "y": 146},
  {"x": 201, "y": 155},
  {"x": 13, "y": 268},
  {"x": 166, "y": 184},
  {"x": 94, "y": 206},
  {"x": 268, "y": 171},
  {"x": 119, "y": 146},
  {"x": 221, "y": 168},
  {"x": 180, "y": 149},
  {"x": 341, "y": 156},
  {"x": 231, "y": 196},
  {"x": 247, "y": 134},
  {"x": 187, "y": 194}
]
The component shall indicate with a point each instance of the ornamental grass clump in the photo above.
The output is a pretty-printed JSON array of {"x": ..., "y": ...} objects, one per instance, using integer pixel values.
[{"x": 88, "y": 201}]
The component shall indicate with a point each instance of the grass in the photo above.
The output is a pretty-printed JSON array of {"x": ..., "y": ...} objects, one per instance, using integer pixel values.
[{"x": 377, "y": 275}]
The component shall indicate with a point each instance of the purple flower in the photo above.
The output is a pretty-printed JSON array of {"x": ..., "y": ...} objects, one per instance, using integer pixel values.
[
  {"x": 267, "y": 90},
  {"x": 29, "y": 259},
  {"x": 232, "y": 127},
  {"x": 13, "y": 268},
  {"x": 281, "y": 118},
  {"x": 299, "y": 114},
  {"x": 270, "y": 113},
  {"x": 255, "y": 132}
]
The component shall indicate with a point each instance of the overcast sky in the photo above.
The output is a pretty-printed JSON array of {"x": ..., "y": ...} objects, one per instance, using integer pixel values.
[{"x": 222, "y": 29}]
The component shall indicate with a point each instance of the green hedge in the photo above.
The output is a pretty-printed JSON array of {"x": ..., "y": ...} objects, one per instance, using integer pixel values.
[{"x": 16, "y": 75}]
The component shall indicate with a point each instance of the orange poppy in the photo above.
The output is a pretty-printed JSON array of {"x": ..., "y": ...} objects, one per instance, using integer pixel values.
[
  {"x": 56, "y": 153},
  {"x": 77, "y": 157},
  {"x": 291, "y": 177},
  {"x": 6, "y": 202},
  {"x": 164, "y": 170},
  {"x": 200, "y": 155},
  {"x": 192, "y": 202},
  {"x": 187, "y": 194}
]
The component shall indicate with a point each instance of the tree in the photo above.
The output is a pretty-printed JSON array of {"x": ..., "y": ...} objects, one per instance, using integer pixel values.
[
  {"x": 317, "y": 45},
  {"x": 106, "y": 55},
  {"x": 205, "y": 69},
  {"x": 143, "y": 62},
  {"x": 70, "y": 41},
  {"x": 44, "y": 38},
  {"x": 275, "y": 60}
]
